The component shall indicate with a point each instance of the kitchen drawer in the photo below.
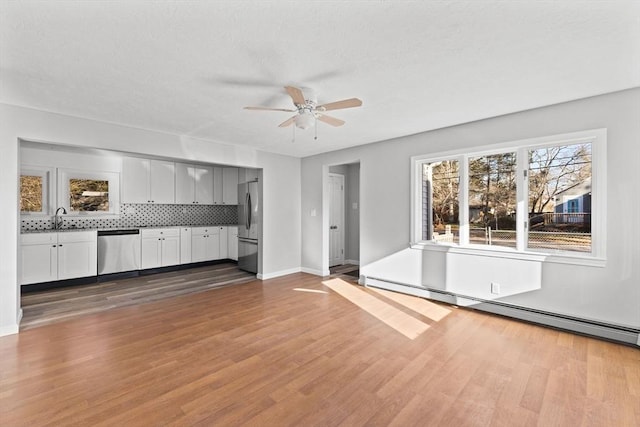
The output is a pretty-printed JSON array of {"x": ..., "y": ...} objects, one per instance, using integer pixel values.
[
  {"x": 199, "y": 231},
  {"x": 38, "y": 238},
  {"x": 77, "y": 236},
  {"x": 160, "y": 232}
]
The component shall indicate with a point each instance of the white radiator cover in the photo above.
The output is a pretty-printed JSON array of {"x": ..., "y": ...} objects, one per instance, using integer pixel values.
[{"x": 582, "y": 326}]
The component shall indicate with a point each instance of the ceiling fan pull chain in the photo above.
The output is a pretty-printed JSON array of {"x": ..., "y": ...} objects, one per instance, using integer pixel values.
[{"x": 315, "y": 125}]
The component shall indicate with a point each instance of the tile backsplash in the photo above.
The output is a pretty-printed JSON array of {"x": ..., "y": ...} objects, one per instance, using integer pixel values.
[{"x": 144, "y": 215}]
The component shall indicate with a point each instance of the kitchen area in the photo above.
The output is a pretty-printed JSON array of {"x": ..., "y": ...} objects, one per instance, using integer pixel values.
[{"x": 90, "y": 216}]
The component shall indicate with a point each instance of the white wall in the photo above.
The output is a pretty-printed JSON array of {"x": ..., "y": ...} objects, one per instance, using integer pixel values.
[
  {"x": 280, "y": 180},
  {"x": 610, "y": 294}
]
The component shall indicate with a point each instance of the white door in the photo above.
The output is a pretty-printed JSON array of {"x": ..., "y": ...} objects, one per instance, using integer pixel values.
[{"x": 336, "y": 219}]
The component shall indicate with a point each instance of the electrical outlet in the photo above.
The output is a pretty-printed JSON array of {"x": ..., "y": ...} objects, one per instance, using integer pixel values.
[
  {"x": 495, "y": 288},
  {"x": 184, "y": 210}
]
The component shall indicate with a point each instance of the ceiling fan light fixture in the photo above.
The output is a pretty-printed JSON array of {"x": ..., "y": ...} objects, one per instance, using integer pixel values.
[{"x": 305, "y": 120}]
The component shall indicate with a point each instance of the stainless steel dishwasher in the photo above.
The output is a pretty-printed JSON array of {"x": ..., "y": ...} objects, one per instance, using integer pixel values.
[{"x": 118, "y": 251}]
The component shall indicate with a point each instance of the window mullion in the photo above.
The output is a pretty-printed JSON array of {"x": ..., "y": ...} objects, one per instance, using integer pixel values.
[
  {"x": 522, "y": 185},
  {"x": 463, "y": 200}
]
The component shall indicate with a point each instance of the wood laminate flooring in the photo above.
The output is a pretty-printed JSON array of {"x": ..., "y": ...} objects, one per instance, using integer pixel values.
[
  {"x": 345, "y": 269},
  {"x": 304, "y": 351},
  {"x": 50, "y": 306}
]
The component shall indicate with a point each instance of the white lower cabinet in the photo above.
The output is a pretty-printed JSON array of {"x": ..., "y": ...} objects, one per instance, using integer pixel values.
[
  {"x": 205, "y": 243},
  {"x": 160, "y": 247},
  {"x": 232, "y": 243},
  {"x": 224, "y": 242},
  {"x": 53, "y": 256},
  {"x": 185, "y": 245}
]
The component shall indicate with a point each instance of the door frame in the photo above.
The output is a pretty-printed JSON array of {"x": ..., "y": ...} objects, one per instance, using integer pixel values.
[
  {"x": 342, "y": 215},
  {"x": 325, "y": 213}
]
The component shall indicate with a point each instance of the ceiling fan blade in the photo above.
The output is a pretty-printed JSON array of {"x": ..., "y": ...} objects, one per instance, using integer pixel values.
[
  {"x": 296, "y": 95},
  {"x": 345, "y": 103},
  {"x": 330, "y": 120},
  {"x": 270, "y": 109},
  {"x": 288, "y": 122}
]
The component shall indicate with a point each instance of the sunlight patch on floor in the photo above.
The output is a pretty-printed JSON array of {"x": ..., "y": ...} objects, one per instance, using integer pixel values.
[
  {"x": 419, "y": 305},
  {"x": 316, "y": 291},
  {"x": 407, "y": 325}
]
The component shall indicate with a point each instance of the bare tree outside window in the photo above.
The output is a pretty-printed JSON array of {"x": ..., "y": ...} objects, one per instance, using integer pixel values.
[
  {"x": 560, "y": 197},
  {"x": 441, "y": 187}
]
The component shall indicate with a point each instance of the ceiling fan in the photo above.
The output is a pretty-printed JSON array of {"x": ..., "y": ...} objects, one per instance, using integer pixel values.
[{"x": 307, "y": 109}]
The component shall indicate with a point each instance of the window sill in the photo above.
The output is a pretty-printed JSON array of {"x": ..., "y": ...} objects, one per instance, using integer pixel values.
[{"x": 499, "y": 252}]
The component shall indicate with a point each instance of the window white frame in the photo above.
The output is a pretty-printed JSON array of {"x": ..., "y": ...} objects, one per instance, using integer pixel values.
[
  {"x": 597, "y": 256},
  {"x": 64, "y": 175},
  {"x": 48, "y": 187}
]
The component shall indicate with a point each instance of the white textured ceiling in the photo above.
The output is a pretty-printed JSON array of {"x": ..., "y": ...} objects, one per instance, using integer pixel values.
[{"x": 188, "y": 67}]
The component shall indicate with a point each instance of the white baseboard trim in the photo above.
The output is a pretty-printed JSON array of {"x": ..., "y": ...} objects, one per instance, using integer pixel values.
[
  {"x": 9, "y": 329},
  {"x": 573, "y": 324},
  {"x": 280, "y": 273},
  {"x": 315, "y": 272},
  {"x": 352, "y": 261}
]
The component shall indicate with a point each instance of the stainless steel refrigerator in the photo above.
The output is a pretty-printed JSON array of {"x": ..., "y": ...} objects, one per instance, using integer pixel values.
[{"x": 249, "y": 218}]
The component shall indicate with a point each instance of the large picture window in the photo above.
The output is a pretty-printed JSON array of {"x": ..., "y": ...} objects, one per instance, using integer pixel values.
[{"x": 543, "y": 195}]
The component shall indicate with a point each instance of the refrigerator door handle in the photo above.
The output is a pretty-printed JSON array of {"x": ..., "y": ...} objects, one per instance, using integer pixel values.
[
  {"x": 249, "y": 208},
  {"x": 246, "y": 217}
]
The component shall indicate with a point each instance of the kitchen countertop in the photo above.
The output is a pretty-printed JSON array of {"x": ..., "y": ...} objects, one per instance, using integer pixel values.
[{"x": 62, "y": 230}]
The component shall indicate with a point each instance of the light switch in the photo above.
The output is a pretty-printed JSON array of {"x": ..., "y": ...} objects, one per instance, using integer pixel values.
[
  {"x": 354, "y": 205},
  {"x": 313, "y": 212}
]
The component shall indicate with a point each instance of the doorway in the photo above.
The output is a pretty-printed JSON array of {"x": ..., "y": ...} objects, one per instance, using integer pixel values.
[
  {"x": 342, "y": 224},
  {"x": 336, "y": 219}
]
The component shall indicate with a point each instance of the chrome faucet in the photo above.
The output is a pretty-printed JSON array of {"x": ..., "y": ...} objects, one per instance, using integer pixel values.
[{"x": 57, "y": 220}]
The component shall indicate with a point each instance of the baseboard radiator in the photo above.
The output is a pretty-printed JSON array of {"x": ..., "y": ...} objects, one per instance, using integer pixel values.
[{"x": 606, "y": 331}]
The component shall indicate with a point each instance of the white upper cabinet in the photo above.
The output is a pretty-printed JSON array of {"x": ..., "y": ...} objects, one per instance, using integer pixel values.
[
  {"x": 225, "y": 186},
  {"x": 148, "y": 181},
  {"x": 247, "y": 175},
  {"x": 194, "y": 184},
  {"x": 217, "y": 185},
  {"x": 230, "y": 186}
]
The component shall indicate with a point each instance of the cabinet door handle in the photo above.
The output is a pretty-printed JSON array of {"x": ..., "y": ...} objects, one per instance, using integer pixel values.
[{"x": 59, "y": 246}]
